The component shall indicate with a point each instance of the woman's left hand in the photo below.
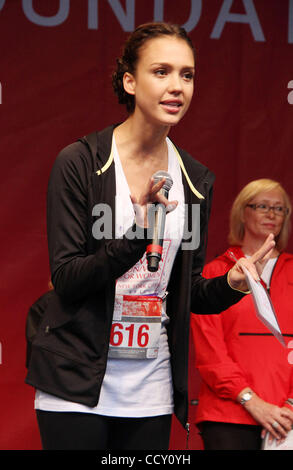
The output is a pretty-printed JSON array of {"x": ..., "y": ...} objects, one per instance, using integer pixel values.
[
  {"x": 254, "y": 264},
  {"x": 276, "y": 426},
  {"x": 274, "y": 420}
]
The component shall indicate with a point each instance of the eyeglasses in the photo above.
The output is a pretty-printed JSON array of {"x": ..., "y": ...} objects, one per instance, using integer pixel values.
[{"x": 265, "y": 208}]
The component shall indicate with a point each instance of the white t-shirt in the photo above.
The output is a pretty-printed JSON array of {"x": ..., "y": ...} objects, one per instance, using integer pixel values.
[{"x": 137, "y": 387}]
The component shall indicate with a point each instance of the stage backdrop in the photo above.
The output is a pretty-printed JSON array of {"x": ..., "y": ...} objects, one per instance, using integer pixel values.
[{"x": 56, "y": 61}]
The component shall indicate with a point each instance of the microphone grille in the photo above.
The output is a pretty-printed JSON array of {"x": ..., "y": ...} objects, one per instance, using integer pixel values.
[{"x": 159, "y": 175}]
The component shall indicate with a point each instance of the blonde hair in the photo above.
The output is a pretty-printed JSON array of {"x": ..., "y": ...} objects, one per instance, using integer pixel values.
[{"x": 246, "y": 195}]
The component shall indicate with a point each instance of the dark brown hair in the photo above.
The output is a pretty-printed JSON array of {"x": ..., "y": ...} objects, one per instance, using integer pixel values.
[{"x": 130, "y": 55}]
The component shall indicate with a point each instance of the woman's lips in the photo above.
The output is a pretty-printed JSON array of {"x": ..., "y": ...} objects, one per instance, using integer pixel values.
[{"x": 172, "y": 106}]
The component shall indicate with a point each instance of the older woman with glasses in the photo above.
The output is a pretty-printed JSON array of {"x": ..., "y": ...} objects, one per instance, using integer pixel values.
[{"x": 247, "y": 379}]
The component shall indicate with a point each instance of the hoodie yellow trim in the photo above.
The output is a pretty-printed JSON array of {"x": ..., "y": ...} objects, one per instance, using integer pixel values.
[
  {"x": 193, "y": 189},
  {"x": 107, "y": 164}
]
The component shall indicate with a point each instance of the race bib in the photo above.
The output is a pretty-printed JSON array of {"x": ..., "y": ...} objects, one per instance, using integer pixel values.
[{"x": 136, "y": 327}]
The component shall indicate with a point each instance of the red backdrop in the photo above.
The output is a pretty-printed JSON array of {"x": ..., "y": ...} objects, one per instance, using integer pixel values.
[{"x": 56, "y": 62}]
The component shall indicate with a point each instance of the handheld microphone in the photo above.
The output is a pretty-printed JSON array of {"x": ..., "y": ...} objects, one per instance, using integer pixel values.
[{"x": 158, "y": 216}]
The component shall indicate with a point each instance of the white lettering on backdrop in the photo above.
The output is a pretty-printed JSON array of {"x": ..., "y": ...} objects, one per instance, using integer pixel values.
[
  {"x": 250, "y": 17},
  {"x": 126, "y": 15}
]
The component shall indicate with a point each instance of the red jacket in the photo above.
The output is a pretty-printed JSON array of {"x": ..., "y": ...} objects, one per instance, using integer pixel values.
[{"x": 235, "y": 350}]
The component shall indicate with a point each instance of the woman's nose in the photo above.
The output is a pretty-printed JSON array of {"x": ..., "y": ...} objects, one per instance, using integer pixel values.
[
  {"x": 271, "y": 212},
  {"x": 175, "y": 85}
]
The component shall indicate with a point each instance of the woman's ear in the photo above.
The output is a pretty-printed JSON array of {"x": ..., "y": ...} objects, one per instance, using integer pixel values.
[{"x": 129, "y": 83}]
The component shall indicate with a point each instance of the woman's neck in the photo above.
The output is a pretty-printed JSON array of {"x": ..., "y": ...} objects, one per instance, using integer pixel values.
[
  {"x": 139, "y": 143},
  {"x": 142, "y": 152}
]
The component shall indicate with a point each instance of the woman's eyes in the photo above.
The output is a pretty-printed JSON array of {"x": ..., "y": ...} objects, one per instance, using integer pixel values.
[
  {"x": 188, "y": 75},
  {"x": 163, "y": 72}
]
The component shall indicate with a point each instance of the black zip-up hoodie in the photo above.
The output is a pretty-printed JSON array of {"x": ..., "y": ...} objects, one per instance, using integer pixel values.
[{"x": 69, "y": 353}]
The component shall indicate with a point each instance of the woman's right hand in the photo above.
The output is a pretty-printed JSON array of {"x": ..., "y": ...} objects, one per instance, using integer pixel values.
[{"x": 151, "y": 195}]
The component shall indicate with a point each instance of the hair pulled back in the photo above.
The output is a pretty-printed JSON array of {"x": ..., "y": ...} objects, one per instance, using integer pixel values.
[{"x": 128, "y": 61}]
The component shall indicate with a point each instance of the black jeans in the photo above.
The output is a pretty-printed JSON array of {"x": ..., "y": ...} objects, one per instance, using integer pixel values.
[
  {"x": 229, "y": 436},
  {"x": 85, "y": 431}
]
